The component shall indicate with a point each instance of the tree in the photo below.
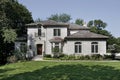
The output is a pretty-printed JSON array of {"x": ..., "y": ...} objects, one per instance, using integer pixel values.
[
  {"x": 79, "y": 22},
  {"x": 38, "y": 20},
  {"x": 9, "y": 35},
  {"x": 99, "y": 24},
  {"x": 13, "y": 17},
  {"x": 60, "y": 17},
  {"x": 16, "y": 14}
]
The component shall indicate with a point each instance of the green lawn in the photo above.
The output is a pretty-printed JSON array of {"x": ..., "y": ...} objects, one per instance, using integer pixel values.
[{"x": 75, "y": 70}]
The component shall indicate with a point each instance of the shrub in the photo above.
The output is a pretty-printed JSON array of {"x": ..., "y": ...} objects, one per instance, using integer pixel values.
[
  {"x": 12, "y": 59},
  {"x": 71, "y": 57},
  {"x": 62, "y": 55},
  {"x": 110, "y": 57},
  {"x": 20, "y": 55},
  {"x": 66, "y": 57},
  {"x": 47, "y": 56},
  {"x": 87, "y": 57},
  {"x": 96, "y": 57}
]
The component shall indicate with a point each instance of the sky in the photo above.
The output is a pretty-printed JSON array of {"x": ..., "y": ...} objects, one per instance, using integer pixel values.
[{"x": 106, "y": 10}]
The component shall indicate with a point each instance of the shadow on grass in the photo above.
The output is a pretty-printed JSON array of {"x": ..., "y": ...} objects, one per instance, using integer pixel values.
[
  {"x": 4, "y": 70},
  {"x": 70, "y": 72}
]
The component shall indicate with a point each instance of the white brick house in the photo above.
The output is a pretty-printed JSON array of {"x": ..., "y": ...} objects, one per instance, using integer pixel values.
[{"x": 45, "y": 36}]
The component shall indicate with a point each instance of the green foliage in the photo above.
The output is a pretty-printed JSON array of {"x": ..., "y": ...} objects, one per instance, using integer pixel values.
[
  {"x": 13, "y": 17},
  {"x": 96, "y": 57},
  {"x": 117, "y": 48},
  {"x": 12, "y": 59},
  {"x": 55, "y": 50},
  {"x": 23, "y": 48},
  {"x": 60, "y": 17},
  {"x": 19, "y": 55},
  {"x": 99, "y": 24},
  {"x": 47, "y": 56},
  {"x": 108, "y": 57},
  {"x": 83, "y": 57},
  {"x": 79, "y": 22},
  {"x": 9, "y": 35}
]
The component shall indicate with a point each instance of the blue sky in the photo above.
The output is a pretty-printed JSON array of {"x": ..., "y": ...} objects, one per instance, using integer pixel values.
[{"x": 106, "y": 10}]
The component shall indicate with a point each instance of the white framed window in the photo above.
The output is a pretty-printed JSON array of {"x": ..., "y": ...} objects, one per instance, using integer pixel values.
[
  {"x": 57, "y": 32},
  {"x": 78, "y": 47},
  {"x": 56, "y": 47},
  {"x": 94, "y": 47}
]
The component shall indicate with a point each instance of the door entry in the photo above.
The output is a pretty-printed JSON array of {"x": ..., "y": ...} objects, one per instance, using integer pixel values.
[{"x": 39, "y": 49}]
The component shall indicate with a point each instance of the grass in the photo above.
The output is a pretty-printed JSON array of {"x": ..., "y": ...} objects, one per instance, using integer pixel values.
[{"x": 66, "y": 70}]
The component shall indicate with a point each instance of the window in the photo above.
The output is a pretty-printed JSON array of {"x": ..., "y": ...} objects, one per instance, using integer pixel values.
[
  {"x": 78, "y": 47},
  {"x": 94, "y": 47},
  {"x": 39, "y": 31},
  {"x": 56, "y": 32},
  {"x": 55, "y": 47}
]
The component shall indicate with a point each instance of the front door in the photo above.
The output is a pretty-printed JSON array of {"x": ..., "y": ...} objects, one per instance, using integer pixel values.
[{"x": 39, "y": 49}]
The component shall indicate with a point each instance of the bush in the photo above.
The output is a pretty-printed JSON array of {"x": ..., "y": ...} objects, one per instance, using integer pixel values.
[
  {"x": 96, "y": 57},
  {"x": 109, "y": 57},
  {"x": 47, "y": 56},
  {"x": 20, "y": 55},
  {"x": 12, "y": 59},
  {"x": 87, "y": 57},
  {"x": 62, "y": 55},
  {"x": 77, "y": 57}
]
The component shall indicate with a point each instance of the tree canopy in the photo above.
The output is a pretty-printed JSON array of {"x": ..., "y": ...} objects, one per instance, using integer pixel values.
[
  {"x": 99, "y": 24},
  {"x": 60, "y": 17},
  {"x": 79, "y": 22},
  {"x": 13, "y": 17}
]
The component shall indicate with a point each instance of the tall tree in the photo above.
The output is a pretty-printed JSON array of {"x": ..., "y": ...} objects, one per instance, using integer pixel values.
[
  {"x": 16, "y": 14},
  {"x": 99, "y": 24},
  {"x": 79, "y": 22},
  {"x": 60, "y": 17},
  {"x": 13, "y": 17}
]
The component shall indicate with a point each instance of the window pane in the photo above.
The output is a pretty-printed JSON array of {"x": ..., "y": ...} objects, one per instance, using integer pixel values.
[
  {"x": 56, "y": 48},
  {"x": 96, "y": 48},
  {"x": 54, "y": 32},
  {"x": 79, "y": 48},
  {"x": 39, "y": 31},
  {"x": 58, "y": 32},
  {"x": 76, "y": 49},
  {"x": 92, "y": 47}
]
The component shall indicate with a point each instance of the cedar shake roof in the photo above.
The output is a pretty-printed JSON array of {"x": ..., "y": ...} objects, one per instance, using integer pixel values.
[
  {"x": 86, "y": 34},
  {"x": 48, "y": 23},
  {"x": 77, "y": 27},
  {"x": 56, "y": 39}
]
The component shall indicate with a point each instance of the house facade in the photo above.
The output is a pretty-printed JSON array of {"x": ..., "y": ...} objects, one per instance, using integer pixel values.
[{"x": 49, "y": 37}]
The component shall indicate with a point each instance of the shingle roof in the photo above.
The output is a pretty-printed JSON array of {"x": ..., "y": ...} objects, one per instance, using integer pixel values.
[
  {"x": 48, "y": 23},
  {"x": 77, "y": 27},
  {"x": 56, "y": 39},
  {"x": 86, "y": 34},
  {"x": 51, "y": 22}
]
